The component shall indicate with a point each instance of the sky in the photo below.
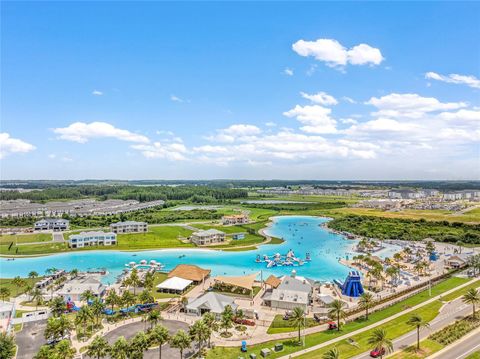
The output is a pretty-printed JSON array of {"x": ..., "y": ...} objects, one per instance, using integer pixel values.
[{"x": 248, "y": 90}]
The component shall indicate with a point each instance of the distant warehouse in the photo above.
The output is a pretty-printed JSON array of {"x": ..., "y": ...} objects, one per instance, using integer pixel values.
[
  {"x": 88, "y": 239},
  {"x": 55, "y": 224},
  {"x": 129, "y": 227}
]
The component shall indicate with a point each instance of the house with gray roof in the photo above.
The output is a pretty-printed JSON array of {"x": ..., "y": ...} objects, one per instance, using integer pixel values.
[
  {"x": 292, "y": 292},
  {"x": 210, "y": 302},
  {"x": 129, "y": 227},
  {"x": 55, "y": 224},
  {"x": 208, "y": 237}
]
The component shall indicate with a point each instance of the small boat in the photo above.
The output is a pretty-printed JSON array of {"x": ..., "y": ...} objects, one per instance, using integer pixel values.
[
  {"x": 258, "y": 260},
  {"x": 10, "y": 259}
]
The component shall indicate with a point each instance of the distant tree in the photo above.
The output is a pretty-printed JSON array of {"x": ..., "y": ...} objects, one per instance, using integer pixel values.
[
  {"x": 366, "y": 302},
  {"x": 199, "y": 332},
  {"x": 331, "y": 354},
  {"x": 416, "y": 321},
  {"x": 83, "y": 318},
  {"x": 181, "y": 341},
  {"x": 18, "y": 283},
  {"x": 211, "y": 321},
  {"x": 128, "y": 298},
  {"x": 298, "y": 320},
  {"x": 146, "y": 297},
  {"x": 337, "y": 311},
  {"x": 7, "y": 346},
  {"x": 120, "y": 349},
  {"x": 159, "y": 336},
  {"x": 98, "y": 348},
  {"x": 97, "y": 308},
  {"x": 226, "y": 321},
  {"x": 32, "y": 275},
  {"x": 138, "y": 344},
  {"x": 472, "y": 297},
  {"x": 87, "y": 295},
  {"x": 4, "y": 293},
  {"x": 134, "y": 280},
  {"x": 112, "y": 299},
  {"x": 37, "y": 297},
  {"x": 57, "y": 306},
  {"x": 153, "y": 318},
  {"x": 74, "y": 273}
]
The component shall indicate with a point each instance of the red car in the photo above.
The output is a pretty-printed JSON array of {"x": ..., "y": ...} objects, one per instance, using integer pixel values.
[
  {"x": 377, "y": 353},
  {"x": 332, "y": 325}
]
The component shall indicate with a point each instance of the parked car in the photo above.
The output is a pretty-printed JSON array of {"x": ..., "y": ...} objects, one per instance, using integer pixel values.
[
  {"x": 375, "y": 353},
  {"x": 319, "y": 317},
  {"x": 332, "y": 325}
]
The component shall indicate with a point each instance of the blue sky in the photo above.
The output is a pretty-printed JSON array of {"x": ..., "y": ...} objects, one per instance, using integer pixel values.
[{"x": 240, "y": 90}]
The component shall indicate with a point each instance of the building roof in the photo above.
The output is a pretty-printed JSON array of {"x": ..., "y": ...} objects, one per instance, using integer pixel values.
[
  {"x": 215, "y": 302},
  {"x": 273, "y": 281},
  {"x": 292, "y": 290},
  {"x": 325, "y": 298},
  {"x": 53, "y": 220},
  {"x": 6, "y": 306},
  {"x": 80, "y": 285},
  {"x": 91, "y": 233},
  {"x": 127, "y": 223},
  {"x": 191, "y": 272},
  {"x": 174, "y": 283},
  {"x": 242, "y": 281},
  {"x": 207, "y": 233}
]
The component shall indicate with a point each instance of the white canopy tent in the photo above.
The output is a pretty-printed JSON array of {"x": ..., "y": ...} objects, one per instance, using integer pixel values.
[{"x": 174, "y": 285}]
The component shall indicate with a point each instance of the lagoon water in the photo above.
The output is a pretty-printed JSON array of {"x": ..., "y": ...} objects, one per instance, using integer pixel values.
[{"x": 302, "y": 234}]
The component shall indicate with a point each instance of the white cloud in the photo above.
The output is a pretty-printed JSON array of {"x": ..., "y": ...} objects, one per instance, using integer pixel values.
[
  {"x": 288, "y": 71},
  {"x": 270, "y": 124},
  {"x": 348, "y": 121},
  {"x": 234, "y": 132},
  {"x": 461, "y": 116},
  {"x": 82, "y": 132},
  {"x": 348, "y": 99},
  {"x": 335, "y": 54},
  {"x": 384, "y": 125},
  {"x": 9, "y": 145},
  {"x": 321, "y": 98},
  {"x": 468, "y": 80},
  {"x": 169, "y": 151},
  {"x": 315, "y": 118},
  {"x": 97, "y": 93},
  {"x": 176, "y": 99},
  {"x": 410, "y": 105}
]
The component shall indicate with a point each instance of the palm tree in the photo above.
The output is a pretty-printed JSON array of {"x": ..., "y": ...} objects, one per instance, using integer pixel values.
[
  {"x": 159, "y": 336},
  {"x": 149, "y": 280},
  {"x": 417, "y": 321},
  {"x": 7, "y": 346},
  {"x": 379, "y": 341},
  {"x": 366, "y": 302},
  {"x": 128, "y": 298},
  {"x": 331, "y": 354},
  {"x": 120, "y": 349},
  {"x": 460, "y": 244},
  {"x": 74, "y": 273},
  {"x": 64, "y": 350},
  {"x": 57, "y": 306},
  {"x": 226, "y": 321},
  {"x": 18, "y": 283},
  {"x": 298, "y": 319},
  {"x": 37, "y": 297},
  {"x": 181, "y": 341},
  {"x": 146, "y": 297},
  {"x": 97, "y": 310},
  {"x": 112, "y": 299},
  {"x": 392, "y": 272},
  {"x": 87, "y": 295},
  {"x": 83, "y": 317},
  {"x": 134, "y": 280},
  {"x": 98, "y": 348},
  {"x": 153, "y": 318},
  {"x": 472, "y": 297},
  {"x": 64, "y": 325},
  {"x": 337, "y": 311},
  {"x": 211, "y": 321},
  {"x": 200, "y": 332},
  {"x": 138, "y": 345},
  {"x": 50, "y": 270},
  {"x": 4, "y": 293},
  {"x": 32, "y": 274}
]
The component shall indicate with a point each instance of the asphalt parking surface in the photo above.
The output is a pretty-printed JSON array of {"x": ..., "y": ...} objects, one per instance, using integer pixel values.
[
  {"x": 129, "y": 330},
  {"x": 30, "y": 339}
]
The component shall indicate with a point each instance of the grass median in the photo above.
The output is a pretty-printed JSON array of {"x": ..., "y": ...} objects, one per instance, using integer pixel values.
[{"x": 324, "y": 336}]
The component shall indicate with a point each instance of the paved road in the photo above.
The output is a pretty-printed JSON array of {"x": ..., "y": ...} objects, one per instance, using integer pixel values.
[
  {"x": 462, "y": 349},
  {"x": 30, "y": 339},
  {"x": 128, "y": 331},
  {"x": 448, "y": 314}
]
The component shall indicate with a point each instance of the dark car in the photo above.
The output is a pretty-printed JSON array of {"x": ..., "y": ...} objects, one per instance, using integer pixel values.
[{"x": 377, "y": 353}]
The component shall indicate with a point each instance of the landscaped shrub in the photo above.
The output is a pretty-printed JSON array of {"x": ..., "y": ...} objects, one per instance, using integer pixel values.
[{"x": 455, "y": 331}]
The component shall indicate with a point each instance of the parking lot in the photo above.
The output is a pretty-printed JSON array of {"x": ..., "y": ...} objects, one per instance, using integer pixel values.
[
  {"x": 128, "y": 331},
  {"x": 30, "y": 339}
]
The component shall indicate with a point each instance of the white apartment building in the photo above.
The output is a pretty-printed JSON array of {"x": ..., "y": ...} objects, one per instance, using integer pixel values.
[
  {"x": 235, "y": 219},
  {"x": 208, "y": 237},
  {"x": 129, "y": 227},
  {"x": 88, "y": 239},
  {"x": 55, "y": 224}
]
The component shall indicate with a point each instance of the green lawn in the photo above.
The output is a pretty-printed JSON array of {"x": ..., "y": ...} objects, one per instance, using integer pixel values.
[
  {"x": 14, "y": 290},
  {"x": 475, "y": 355},
  {"x": 34, "y": 249},
  {"x": 6, "y": 239},
  {"x": 320, "y": 337},
  {"x": 156, "y": 237},
  {"x": 279, "y": 325}
]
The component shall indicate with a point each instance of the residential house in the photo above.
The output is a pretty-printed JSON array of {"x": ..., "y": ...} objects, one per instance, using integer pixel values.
[
  {"x": 210, "y": 302},
  {"x": 208, "y": 237},
  {"x": 55, "y": 224},
  {"x": 88, "y": 239},
  {"x": 129, "y": 227}
]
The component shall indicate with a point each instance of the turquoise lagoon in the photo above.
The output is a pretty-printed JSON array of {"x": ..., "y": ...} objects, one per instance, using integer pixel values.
[{"x": 302, "y": 234}]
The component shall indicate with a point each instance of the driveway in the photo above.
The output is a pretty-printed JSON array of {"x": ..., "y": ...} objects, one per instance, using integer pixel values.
[
  {"x": 128, "y": 331},
  {"x": 30, "y": 339}
]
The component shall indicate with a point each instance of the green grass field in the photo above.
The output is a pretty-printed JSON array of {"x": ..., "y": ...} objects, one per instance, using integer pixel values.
[
  {"x": 279, "y": 325},
  {"x": 156, "y": 237},
  {"x": 320, "y": 337},
  {"x": 6, "y": 239},
  {"x": 15, "y": 290}
]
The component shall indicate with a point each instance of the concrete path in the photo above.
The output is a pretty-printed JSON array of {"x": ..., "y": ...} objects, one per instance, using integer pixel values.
[{"x": 371, "y": 326}]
